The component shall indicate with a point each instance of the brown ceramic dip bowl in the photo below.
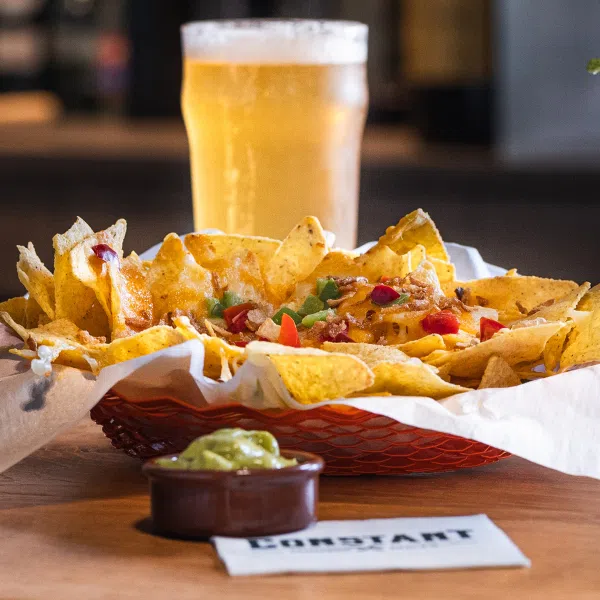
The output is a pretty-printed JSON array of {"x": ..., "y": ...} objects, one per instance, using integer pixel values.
[{"x": 258, "y": 502}]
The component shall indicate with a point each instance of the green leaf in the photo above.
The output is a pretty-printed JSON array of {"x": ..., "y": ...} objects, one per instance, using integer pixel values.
[
  {"x": 401, "y": 299},
  {"x": 593, "y": 66}
]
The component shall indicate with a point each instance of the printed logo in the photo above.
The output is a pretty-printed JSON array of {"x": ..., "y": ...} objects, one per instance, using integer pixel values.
[{"x": 362, "y": 543}]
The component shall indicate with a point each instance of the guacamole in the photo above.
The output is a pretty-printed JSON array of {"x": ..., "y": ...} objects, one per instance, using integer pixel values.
[{"x": 230, "y": 450}]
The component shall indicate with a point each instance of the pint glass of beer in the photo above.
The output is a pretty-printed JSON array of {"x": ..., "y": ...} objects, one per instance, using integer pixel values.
[{"x": 274, "y": 112}]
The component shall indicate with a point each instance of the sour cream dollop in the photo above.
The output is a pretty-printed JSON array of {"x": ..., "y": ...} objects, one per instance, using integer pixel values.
[{"x": 42, "y": 365}]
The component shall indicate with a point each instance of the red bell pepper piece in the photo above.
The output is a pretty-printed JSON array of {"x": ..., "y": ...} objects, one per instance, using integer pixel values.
[
  {"x": 488, "y": 327},
  {"x": 105, "y": 253},
  {"x": 241, "y": 343},
  {"x": 441, "y": 322},
  {"x": 235, "y": 316},
  {"x": 384, "y": 294},
  {"x": 288, "y": 334}
]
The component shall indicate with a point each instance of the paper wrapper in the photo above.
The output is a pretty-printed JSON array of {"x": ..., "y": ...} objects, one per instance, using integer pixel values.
[{"x": 553, "y": 422}]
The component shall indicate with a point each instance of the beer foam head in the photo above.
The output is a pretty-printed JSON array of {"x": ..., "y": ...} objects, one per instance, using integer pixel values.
[{"x": 272, "y": 41}]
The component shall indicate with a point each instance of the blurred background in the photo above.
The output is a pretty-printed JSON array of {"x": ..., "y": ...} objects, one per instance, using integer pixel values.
[{"x": 481, "y": 112}]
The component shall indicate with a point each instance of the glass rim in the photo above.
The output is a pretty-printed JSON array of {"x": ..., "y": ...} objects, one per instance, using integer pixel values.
[
  {"x": 308, "y": 27},
  {"x": 293, "y": 41}
]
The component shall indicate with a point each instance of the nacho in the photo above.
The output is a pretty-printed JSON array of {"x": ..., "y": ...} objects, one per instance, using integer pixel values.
[
  {"x": 524, "y": 344},
  {"x": 583, "y": 346},
  {"x": 591, "y": 300},
  {"x": 312, "y": 376},
  {"x": 36, "y": 278},
  {"x": 498, "y": 374},
  {"x": 382, "y": 261},
  {"x": 445, "y": 270},
  {"x": 74, "y": 300},
  {"x": 555, "y": 347},
  {"x": 143, "y": 343},
  {"x": 397, "y": 373},
  {"x": 415, "y": 229},
  {"x": 215, "y": 349},
  {"x": 131, "y": 306},
  {"x": 512, "y": 296},
  {"x": 208, "y": 248},
  {"x": 241, "y": 273},
  {"x": 422, "y": 346},
  {"x": 300, "y": 252},
  {"x": 62, "y": 336},
  {"x": 559, "y": 310},
  {"x": 15, "y": 309},
  {"x": 177, "y": 282},
  {"x": 393, "y": 320}
]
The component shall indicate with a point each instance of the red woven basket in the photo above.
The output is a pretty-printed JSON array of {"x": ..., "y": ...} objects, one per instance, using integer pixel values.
[{"x": 351, "y": 441}]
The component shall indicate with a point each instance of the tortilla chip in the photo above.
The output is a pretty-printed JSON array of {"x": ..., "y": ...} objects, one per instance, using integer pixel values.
[
  {"x": 15, "y": 309},
  {"x": 241, "y": 273},
  {"x": 498, "y": 374},
  {"x": 143, "y": 343},
  {"x": 438, "y": 357},
  {"x": 207, "y": 248},
  {"x": 445, "y": 270},
  {"x": 583, "y": 345},
  {"x": 74, "y": 300},
  {"x": 531, "y": 371},
  {"x": 92, "y": 271},
  {"x": 372, "y": 265},
  {"x": 427, "y": 275},
  {"x": 561, "y": 309},
  {"x": 63, "y": 243},
  {"x": 555, "y": 346},
  {"x": 416, "y": 228},
  {"x": 130, "y": 297},
  {"x": 505, "y": 294},
  {"x": 591, "y": 301},
  {"x": 300, "y": 252},
  {"x": 524, "y": 344},
  {"x": 337, "y": 262},
  {"x": 177, "y": 282},
  {"x": 215, "y": 349},
  {"x": 382, "y": 261},
  {"x": 62, "y": 336},
  {"x": 23, "y": 311},
  {"x": 396, "y": 373},
  {"x": 470, "y": 321},
  {"x": 36, "y": 278},
  {"x": 312, "y": 375},
  {"x": 423, "y": 346},
  {"x": 451, "y": 339}
]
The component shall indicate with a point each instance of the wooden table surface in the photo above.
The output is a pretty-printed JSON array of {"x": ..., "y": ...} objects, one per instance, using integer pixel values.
[{"x": 70, "y": 514}]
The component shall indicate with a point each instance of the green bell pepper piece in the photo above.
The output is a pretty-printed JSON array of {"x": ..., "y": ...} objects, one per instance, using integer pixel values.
[
  {"x": 288, "y": 311},
  {"x": 311, "y": 305},
  {"x": 310, "y": 320}
]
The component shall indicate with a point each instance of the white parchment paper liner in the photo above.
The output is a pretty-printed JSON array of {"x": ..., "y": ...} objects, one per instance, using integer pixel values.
[{"x": 554, "y": 422}]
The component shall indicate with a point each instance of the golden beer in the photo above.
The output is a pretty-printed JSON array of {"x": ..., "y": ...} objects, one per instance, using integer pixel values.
[{"x": 275, "y": 124}]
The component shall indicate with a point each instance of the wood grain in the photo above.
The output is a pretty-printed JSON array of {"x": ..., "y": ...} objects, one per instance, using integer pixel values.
[{"x": 69, "y": 529}]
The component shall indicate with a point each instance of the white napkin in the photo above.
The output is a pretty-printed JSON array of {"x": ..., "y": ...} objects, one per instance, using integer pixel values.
[{"x": 416, "y": 544}]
